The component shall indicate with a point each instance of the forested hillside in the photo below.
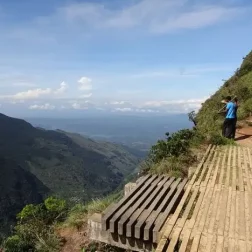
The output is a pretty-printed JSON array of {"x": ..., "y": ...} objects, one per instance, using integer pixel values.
[
  {"x": 36, "y": 163},
  {"x": 239, "y": 85}
]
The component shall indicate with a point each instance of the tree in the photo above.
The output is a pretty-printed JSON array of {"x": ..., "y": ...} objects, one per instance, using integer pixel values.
[
  {"x": 192, "y": 117},
  {"x": 35, "y": 227}
]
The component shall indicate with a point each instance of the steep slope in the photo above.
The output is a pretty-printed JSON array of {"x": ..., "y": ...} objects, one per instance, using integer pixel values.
[
  {"x": 239, "y": 85},
  {"x": 18, "y": 187},
  {"x": 36, "y": 163}
]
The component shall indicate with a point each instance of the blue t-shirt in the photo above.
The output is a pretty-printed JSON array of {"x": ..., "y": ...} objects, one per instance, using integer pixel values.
[{"x": 231, "y": 110}]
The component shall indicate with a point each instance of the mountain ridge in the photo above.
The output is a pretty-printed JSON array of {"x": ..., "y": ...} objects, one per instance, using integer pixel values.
[
  {"x": 36, "y": 163},
  {"x": 239, "y": 85}
]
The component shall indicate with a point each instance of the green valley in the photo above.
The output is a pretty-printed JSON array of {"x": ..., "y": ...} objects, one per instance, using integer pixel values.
[{"x": 37, "y": 163}]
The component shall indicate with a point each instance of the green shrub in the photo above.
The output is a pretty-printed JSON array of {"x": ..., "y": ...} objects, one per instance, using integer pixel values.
[
  {"x": 175, "y": 145},
  {"x": 77, "y": 216},
  {"x": 217, "y": 139},
  {"x": 145, "y": 166},
  {"x": 30, "y": 211},
  {"x": 35, "y": 228},
  {"x": 174, "y": 166},
  {"x": 55, "y": 205},
  {"x": 173, "y": 156},
  {"x": 15, "y": 244},
  {"x": 247, "y": 106}
]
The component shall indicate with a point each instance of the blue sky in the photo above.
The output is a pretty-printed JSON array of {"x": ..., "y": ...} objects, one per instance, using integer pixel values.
[{"x": 123, "y": 56}]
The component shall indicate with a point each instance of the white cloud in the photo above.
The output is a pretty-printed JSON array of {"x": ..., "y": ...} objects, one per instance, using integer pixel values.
[
  {"x": 196, "y": 18},
  {"x": 158, "y": 16},
  {"x": 147, "y": 111},
  {"x": 63, "y": 87},
  {"x": 37, "y": 93},
  {"x": 79, "y": 106},
  {"x": 137, "y": 110},
  {"x": 85, "y": 84},
  {"x": 123, "y": 109},
  {"x": 177, "y": 106},
  {"x": 174, "y": 102},
  {"x": 118, "y": 102},
  {"x": 88, "y": 95},
  {"x": 46, "y": 106},
  {"x": 31, "y": 94}
]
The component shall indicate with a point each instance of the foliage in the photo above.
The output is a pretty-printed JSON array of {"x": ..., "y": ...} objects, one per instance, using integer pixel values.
[
  {"x": 192, "y": 117},
  {"x": 239, "y": 85},
  {"x": 30, "y": 211},
  {"x": 217, "y": 139},
  {"x": 173, "y": 155},
  {"x": 15, "y": 244},
  {"x": 79, "y": 213},
  {"x": 174, "y": 166},
  {"x": 35, "y": 228},
  {"x": 37, "y": 163},
  {"x": 175, "y": 145},
  {"x": 55, "y": 205}
]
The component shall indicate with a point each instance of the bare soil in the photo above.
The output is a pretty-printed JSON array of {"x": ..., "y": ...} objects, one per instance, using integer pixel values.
[
  {"x": 74, "y": 240},
  {"x": 244, "y": 136}
]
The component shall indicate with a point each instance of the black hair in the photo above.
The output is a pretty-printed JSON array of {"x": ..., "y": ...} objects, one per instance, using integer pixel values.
[{"x": 228, "y": 98}]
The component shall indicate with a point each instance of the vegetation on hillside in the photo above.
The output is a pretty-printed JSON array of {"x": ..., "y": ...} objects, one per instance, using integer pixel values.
[
  {"x": 239, "y": 85},
  {"x": 37, "y": 163},
  {"x": 174, "y": 154},
  {"x": 37, "y": 229}
]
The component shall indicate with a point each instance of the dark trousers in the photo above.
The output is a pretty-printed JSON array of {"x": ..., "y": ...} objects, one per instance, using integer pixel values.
[
  {"x": 229, "y": 128},
  {"x": 234, "y": 129}
]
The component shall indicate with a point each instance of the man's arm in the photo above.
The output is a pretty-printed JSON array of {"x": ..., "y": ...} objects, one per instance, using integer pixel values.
[{"x": 228, "y": 107}]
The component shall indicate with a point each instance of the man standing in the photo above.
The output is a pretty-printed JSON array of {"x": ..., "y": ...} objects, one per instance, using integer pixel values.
[
  {"x": 235, "y": 121},
  {"x": 230, "y": 120}
]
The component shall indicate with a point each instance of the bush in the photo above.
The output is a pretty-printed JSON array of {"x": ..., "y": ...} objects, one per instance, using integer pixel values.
[
  {"x": 175, "y": 145},
  {"x": 217, "y": 139},
  {"x": 30, "y": 211},
  {"x": 247, "y": 107},
  {"x": 55, "y": 205},
  {"x": 79, "y": 213},
  {"x": 35, "y": 228},
  {"x": 174, "y": 166},
  {"x": 15, "y": 244},
  {"x": 173, "y": 156}
]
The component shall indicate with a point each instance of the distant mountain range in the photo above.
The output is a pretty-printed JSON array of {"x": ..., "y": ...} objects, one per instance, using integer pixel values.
[
  {"x": 139, "y": 132},
  {"x": 35, "y": 163}
]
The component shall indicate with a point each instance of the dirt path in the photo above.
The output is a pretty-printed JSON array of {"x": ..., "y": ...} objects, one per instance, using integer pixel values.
[
  {"x": 74, "y": 240},
  {"x": 244, "y": 136}
]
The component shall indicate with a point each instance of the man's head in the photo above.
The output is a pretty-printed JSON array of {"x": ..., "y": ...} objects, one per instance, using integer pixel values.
[{"x": 228, "y": 98}]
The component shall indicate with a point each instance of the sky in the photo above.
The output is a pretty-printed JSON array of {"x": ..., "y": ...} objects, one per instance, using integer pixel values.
[{"x": 62, "y": 57}]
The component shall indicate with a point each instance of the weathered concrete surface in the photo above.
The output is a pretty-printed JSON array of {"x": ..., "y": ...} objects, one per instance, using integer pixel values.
[
  {"x": 96, "y": 234},
  {"x": 128, "y": 188},
  {"x": 215, "y": 213}
]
